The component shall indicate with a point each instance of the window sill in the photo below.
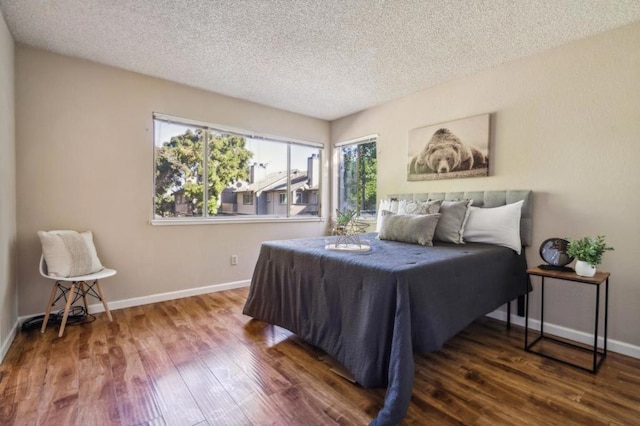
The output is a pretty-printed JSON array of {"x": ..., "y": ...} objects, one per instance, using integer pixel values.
[{"x": 234, "y": 220}]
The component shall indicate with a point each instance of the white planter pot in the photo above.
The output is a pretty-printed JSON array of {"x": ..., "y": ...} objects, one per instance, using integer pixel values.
[{"x": 584, "y": 269}]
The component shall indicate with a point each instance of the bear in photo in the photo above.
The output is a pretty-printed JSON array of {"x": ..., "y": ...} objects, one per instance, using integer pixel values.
[{"x": 445, "y": 153}]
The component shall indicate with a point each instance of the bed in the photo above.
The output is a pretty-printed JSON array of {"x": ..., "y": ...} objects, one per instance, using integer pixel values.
[{"x": 372, "y": 311}]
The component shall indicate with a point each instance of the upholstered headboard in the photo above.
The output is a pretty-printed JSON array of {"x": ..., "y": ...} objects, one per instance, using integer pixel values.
[{"x": 485, "y": 199}]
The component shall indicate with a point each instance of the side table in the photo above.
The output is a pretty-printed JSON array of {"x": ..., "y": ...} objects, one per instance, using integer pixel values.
[{"x": 597, "y": 280}]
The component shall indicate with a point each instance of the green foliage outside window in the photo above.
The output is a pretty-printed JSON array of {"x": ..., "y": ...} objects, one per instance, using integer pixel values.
[
  {"x": 180, "y": 167},
  {"x": 358, "y": 178}
]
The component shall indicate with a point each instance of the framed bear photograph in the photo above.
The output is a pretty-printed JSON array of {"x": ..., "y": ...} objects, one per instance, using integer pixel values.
[{"x": 455, "y": 149}]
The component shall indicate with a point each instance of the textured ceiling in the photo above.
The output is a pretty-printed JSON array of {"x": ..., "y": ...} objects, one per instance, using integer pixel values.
[{"x": 322, "y": 58}]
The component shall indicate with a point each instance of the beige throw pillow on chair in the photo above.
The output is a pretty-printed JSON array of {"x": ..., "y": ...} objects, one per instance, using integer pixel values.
[{"x": 69, "y": 253}]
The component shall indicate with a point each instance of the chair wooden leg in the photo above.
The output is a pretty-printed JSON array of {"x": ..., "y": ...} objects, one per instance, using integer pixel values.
[
  {"x": 104, "y": 301},
  {"x": 66, "y": 308},
  {"x": 84, "y": 295},
  {"x": 48, "y": 312}
]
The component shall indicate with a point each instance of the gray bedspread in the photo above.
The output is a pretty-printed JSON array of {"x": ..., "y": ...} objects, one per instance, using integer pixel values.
[{"x": 372, "y": 311}]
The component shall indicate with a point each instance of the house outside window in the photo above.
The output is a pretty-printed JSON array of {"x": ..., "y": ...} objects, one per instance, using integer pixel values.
[
  {"x": 206, "y": 172},
  {"x": 283, "y": 198},
  {"x": 357, "y": 176}
]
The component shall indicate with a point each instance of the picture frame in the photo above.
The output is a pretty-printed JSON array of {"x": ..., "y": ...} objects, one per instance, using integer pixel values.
[{"x": 449, "y": 150}]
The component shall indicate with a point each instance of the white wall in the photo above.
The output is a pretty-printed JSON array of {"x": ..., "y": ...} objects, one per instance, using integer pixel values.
[
  {"x": 85, "y": 161},
  {"x": 566, "y": 124},
  {"x": 8, "y": 259}
]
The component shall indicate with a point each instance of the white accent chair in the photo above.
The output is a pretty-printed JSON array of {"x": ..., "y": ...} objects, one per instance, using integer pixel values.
[{"x": 72, "y": 289}]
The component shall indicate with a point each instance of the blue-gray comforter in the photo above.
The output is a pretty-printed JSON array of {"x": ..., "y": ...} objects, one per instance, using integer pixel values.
[{"x": 371, "y": 311}]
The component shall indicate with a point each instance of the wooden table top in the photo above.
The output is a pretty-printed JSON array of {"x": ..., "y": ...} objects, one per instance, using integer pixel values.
[{"x": 598, "y": 278}]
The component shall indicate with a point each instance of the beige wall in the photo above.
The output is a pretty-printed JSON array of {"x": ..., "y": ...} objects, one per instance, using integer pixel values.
[
  {"x": 84, "y": 161},
  {"x": 8, "y": 259},
  {"x": 566, "y": 124}
]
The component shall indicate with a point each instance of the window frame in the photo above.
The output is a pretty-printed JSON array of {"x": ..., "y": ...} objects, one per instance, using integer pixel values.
[
  {"x": 226, "y": 130},
  {"x": 337, "y": 159}
]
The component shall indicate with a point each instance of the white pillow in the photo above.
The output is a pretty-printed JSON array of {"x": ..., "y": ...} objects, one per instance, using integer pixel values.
[
  {"x": 384, "y": 205},
  {"x": 389, "y": 205},
  {"x": 497, "y": 225},
  {"x": 69, "y": 253}
]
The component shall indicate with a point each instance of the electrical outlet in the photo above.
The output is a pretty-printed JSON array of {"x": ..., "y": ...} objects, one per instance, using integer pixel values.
[{"x": 234, "y": 259}]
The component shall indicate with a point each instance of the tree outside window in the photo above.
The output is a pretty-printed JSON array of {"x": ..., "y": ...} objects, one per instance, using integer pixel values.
[
  {"x": 357, "y": 187},
  {"x": 180, "y": 169}
]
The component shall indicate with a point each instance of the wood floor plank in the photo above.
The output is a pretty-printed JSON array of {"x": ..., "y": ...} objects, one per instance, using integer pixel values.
[
  {"x": 28, "y": 356},
  {"x": 134, "y": 393},
  {"x": 461, "y": 383},
  {"x": 58, "y": 399},
  {"x": 214, "y": 401},
  {"x": 196, "y": 310},
  {"x": 165, "y": 317},
  {"x": 21, "y": 413},
  {"x": 201, "y": 338},
  {"x": 119, "y": 334},
  {"x": 98, "y": 404},
  {"x": 307, "y": 366},
  {"x": 254, "y": 402},
  {"x": 93, "y": 337},
  {"x": 262, "y": 368},
  {"x": 199, "y": 360},
  {"x": 173, "y": 397}
]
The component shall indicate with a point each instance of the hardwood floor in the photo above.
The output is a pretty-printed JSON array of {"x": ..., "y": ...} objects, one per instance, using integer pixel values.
[{"x": 199, "y": 361}]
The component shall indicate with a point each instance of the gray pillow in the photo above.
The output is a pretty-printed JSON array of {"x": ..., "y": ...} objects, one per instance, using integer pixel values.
[
  {"x": 451, "y": 225},
  {"x": 408, "y": 228},
  {"x": 419, "y": 207}
]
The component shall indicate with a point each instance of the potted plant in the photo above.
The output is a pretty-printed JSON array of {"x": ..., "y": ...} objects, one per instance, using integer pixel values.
[{"x": 588, "y": 251}]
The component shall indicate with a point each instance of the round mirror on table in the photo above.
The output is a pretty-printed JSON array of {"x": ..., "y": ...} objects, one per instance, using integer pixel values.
[{"x": 554, "y": 252}]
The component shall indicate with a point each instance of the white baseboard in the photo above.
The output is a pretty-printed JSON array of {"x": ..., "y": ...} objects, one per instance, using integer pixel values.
[
  {"x": 7, "y": 342},
  {"x": 160, "y": 297},
  {"x": 571, "y": 334}
]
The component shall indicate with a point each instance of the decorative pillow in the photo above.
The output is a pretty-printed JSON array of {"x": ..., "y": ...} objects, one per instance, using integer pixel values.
[
  {"x": 451, "y": 225},
  {"x": 388, "y": 205},
  {"x": 393, "y": 206},
  {"x": 419, "y": 207},
  {"x": 408, "y": 228},
  {"x": 497, "y": 225},
  {"x": 384, "y": 206},
  {"x": 69, "y": 253}
]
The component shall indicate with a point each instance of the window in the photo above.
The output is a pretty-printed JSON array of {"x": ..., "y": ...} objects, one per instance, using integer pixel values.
[
  {"x": 357, "y": 176},
  {"x": 205, "y": 172}
]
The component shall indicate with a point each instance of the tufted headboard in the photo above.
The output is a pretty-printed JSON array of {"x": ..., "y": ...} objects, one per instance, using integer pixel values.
[{"x": 485, "y": 199}]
